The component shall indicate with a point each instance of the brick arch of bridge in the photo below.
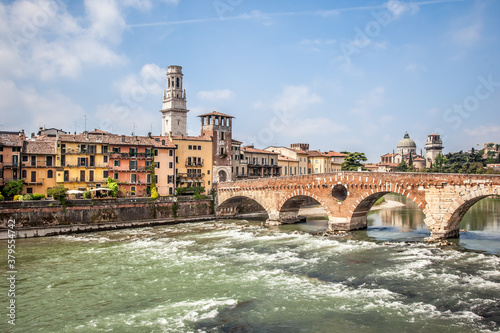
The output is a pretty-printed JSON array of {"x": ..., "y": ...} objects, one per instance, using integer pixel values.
[
  {"x": 461, "y": 205},
  {"x": 230, "y": 205},
  {"x": 361, "y": 200},
  {"x": 289, "y": 204}
]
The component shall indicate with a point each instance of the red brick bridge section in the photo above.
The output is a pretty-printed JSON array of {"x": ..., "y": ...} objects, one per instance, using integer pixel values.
[{"x": 348, "y": 196}]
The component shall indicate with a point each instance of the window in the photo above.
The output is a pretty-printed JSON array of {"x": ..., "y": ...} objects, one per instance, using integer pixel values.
[
  {"x": 170, "y": 165},
  {"x": 199, "y": 147},
  {"x": 29, "y": 190},
  {"x": 148, "y": 152},
  {"x": 133, "y": 178},
  {"x": 24, "y": 174},
  {"x": 176, "y": 159},
  {"x": 222, "y": 135},
  {"x": 115, "y": 175},
  {"x": 48, "y": 161},
  {"x": 170, "y": 179},
  {"x": 63, "y": 148},
  {"x": 170, "y": 152},
  {"x": 50, "y": 174},
  {"x": 285, "y": 171},
  {"x": 92, "y": 160},
  {"x": 83, "y": 148},
  {"x": 91, "y": 175},
  {"x": 33, "y": 161},
  {"x": 132, "y": 165},
  {"x": 117, "y": 163},
  {"x": 63, "y": 160},
  {"x": 190, "y": 147},
  {"x": 105, "y": 174},
  {"x": 105, "y": 158},
  {"x": 82, "y": 175},
  {"x": 148, "y": 163},
  {"x": 132, "y": 151},
  {"x": 82, "y": 161},
  {"x": 116, "y": 150},
  {"x": 92, "y": 149},
  {"x": 195, "y": 147},
  {"x": 156, "y": 152},
  {"x": 208, "y": 182},
  {"x": 169, "y": 190},
  {"x": 148, "y": 178},
  {"x": 104, "y": 149},
  {"x": 25, "y": 158},
  {"x": 132, "y": 190},
  {"x": 208, "y": 172},
  {"x": 66, "y": 175},
  {"x": 1, "y": 158},
  {"x": 157, "y": 165}
]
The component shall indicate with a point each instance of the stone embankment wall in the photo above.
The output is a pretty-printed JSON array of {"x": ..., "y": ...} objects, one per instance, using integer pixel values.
[{"x": 50, "y": 213}]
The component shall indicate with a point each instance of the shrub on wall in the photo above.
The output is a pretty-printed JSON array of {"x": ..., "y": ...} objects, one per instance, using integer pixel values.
[{"x": 38, "y": 196}]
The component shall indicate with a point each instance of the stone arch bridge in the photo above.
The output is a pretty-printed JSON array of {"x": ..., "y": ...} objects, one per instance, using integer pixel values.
[{"x": 348, "y": 196}]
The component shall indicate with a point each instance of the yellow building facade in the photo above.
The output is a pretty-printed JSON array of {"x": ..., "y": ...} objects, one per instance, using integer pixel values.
[
  {"x": 81, "y": 161},
  {"x": 194, "y": 161}
]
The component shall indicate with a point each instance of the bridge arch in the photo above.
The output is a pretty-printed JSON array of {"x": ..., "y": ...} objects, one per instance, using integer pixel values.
[
  {"x": 360, "y": 212},
  {"x": 232, "y": 205},
  {"x": 290, "y": 204},
  {"x": 462, "y": 204}
]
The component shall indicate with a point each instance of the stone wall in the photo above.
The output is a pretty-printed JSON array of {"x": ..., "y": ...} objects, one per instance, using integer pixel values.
[{"x": 47, "y": 213}]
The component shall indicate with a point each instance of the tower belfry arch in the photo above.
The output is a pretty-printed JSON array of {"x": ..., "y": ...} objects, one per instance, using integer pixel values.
[{"x": 174, "y": 111}]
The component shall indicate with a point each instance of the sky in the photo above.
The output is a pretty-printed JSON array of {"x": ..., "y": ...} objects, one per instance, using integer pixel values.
[{"x": 340, "y": 75}]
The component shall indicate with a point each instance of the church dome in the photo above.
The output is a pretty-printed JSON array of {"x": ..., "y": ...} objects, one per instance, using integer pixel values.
[{"x": 407, "y": 142}]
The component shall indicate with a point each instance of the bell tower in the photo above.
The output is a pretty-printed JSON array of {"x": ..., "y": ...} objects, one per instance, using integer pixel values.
[
  {"x": 433, "y": 147},
  {"x": 174, "y": 112}
]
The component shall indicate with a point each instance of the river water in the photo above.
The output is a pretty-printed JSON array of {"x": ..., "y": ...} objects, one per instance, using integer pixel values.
[{"x": 235, "y": 276}]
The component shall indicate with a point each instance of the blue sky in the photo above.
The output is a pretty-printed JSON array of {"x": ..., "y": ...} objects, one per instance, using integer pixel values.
[{"x": 340, "y": 75}]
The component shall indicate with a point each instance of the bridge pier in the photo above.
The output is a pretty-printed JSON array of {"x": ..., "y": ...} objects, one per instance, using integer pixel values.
[{"x": 346, "y": 224}]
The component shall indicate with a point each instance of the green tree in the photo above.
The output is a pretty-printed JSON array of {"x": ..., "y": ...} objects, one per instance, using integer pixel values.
[
  {"x": 113, "y": 186},
  {"x": 59, "y": 193},
  {"x": 13, "y": 188},
  {"x": 353, "y": 161},
  {"x": 154, "y": 190},
  {"x": 402, "y": 166}
]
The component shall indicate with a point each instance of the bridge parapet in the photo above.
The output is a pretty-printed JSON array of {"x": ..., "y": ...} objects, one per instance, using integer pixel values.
[{"x": 348, "y": 196}]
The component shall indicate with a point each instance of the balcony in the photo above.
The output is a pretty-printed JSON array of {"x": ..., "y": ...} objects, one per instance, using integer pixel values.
[
  {"x": 132, "y": 155},
  {"x": 191, "y": 175},
  {"x": 10, "y": 165},
  {"x": 194, "y": 164}
]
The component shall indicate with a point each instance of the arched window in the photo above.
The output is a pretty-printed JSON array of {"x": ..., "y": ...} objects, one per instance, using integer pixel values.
[
  {"x": 177, "y": 81},
  {"x": 50, "y": 174},
  {"x": 169, "y": 82}
]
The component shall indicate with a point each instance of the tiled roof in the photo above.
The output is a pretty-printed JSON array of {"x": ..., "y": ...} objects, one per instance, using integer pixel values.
[
  {"x": 215, "y": 113},
  {"x": 315, "y": 153},
  {"x": 250, "y": 149},
  {"x": 332, "y": 153},
  {"x": 11, "y": 139},
  {"x": 40, "y": 147},
  {"x": 236, "y": 141}
]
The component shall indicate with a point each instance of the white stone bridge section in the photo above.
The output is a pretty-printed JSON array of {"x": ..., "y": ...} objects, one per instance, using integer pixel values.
[{"x": 348, "y": 196}]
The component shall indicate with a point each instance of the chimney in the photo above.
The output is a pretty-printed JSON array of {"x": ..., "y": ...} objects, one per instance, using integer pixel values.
[{"x": 149, "y": 135}]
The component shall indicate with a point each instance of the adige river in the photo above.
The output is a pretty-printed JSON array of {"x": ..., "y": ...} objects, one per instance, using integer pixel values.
[{"x": 236, "y": 276}]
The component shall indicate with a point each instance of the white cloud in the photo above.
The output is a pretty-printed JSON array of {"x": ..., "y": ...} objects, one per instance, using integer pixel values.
[
  {"x": 40, "y": 38},
  {"x": 26, "y": 106},
  {"x": 368, "y": 102},
  {"x": 295, "y": 99},
  {"x": 215, "y": 95},
  {"x": 106, "y": 20},
  {"x": 468, "y": 35},
  {"x": 483, "y": 131}
]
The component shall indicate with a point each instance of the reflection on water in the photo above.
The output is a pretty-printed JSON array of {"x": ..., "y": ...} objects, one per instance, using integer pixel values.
[{"x": 480, "y": 225}]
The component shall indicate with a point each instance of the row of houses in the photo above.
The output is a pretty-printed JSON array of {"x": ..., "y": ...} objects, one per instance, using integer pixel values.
[{"x": 85, "y": 161}]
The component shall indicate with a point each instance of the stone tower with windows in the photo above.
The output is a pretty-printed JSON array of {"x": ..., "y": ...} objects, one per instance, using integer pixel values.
[
  {"x": 433, "y": 147},
  {"x": 218, "y": 126},
  {"x": 174, "y": 112}
]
